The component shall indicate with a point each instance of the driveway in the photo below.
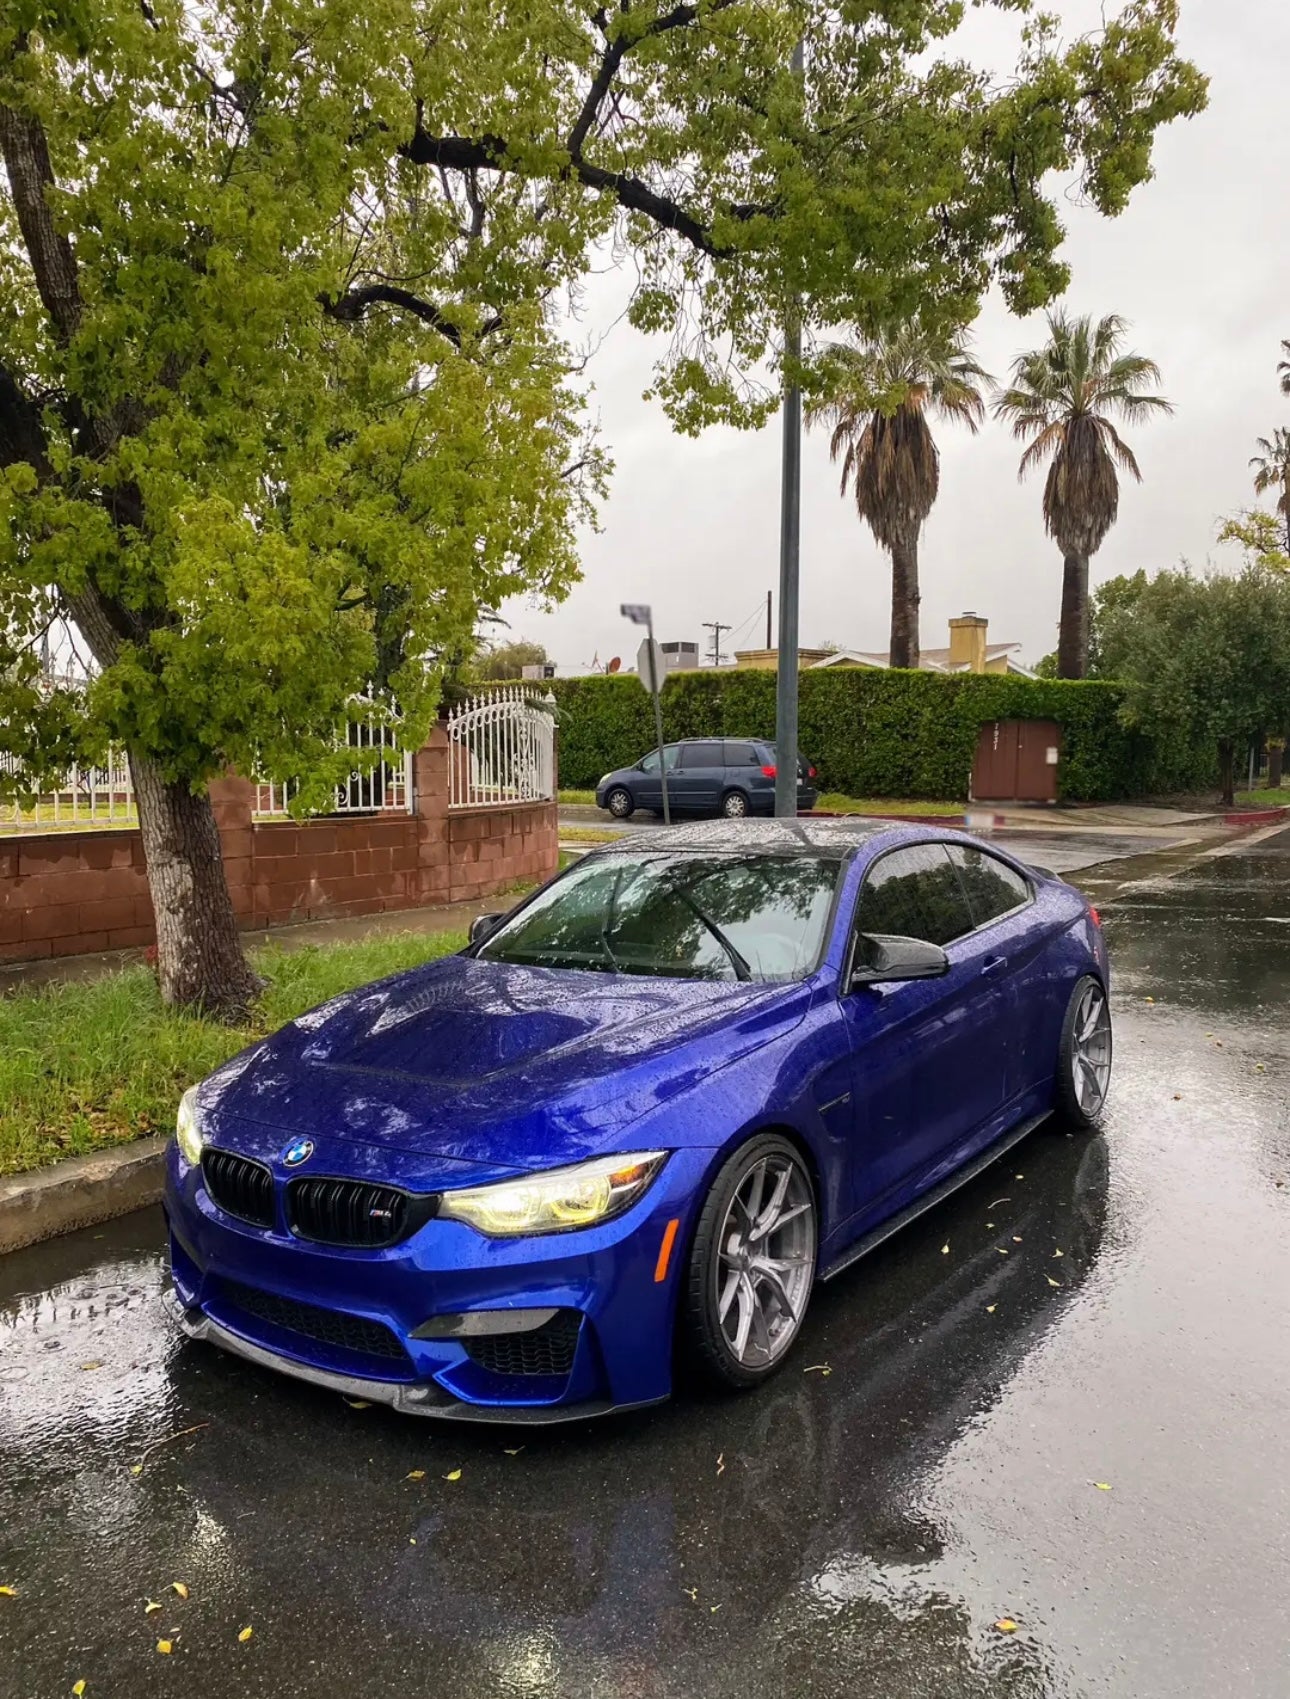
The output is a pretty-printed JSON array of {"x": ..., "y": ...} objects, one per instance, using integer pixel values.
[{"x": 1060, "y": 1400}]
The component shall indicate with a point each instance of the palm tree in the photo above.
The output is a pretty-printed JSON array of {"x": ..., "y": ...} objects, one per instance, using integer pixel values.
[
  {"x": 1283, "y": 368},
  {"x": 1272, "y": 468},
  {"x": 878, "y": 403},
  {"x": 1063, "y": 397}
]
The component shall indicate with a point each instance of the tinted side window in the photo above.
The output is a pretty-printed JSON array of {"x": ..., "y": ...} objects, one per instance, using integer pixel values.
[
  {"x": 701, "y": 755},
  {"x": 670, "y": 752},
  {"x": 915, "y": 893},
  {"x": 992, "y": 886},
  {"x": 742, "y": 755}
]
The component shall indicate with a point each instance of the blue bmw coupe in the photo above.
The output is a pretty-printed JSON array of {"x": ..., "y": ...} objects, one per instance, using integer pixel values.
[{"x": 636, "y": 1120}]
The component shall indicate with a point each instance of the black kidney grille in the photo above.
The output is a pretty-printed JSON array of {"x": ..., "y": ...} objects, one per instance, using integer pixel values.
[
  {"x": 239, "y": 1186},
  {"x": 353, "y": 1212},
  {"x": 547, "y": 1350},
  {"x": 328, "y": 1327}
]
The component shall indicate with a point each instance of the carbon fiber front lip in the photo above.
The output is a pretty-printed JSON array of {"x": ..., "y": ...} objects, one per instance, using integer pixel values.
[{"x": 411, "y": 1398}]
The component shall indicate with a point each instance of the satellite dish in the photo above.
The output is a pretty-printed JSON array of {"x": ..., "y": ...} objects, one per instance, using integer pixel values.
[{"x": 614, "y": 665}]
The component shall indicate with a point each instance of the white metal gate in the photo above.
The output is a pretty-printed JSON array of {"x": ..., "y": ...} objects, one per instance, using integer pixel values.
[{"x": 501, "y": 749}]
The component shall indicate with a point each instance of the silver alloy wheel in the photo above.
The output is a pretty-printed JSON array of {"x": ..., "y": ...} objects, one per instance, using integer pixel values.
[
  {"x": 1091, "y": 1050},
  {"x": 765, "y": 1260},
  {"x": 735, "y": 805},
  {"x": 619, "y": 803}
]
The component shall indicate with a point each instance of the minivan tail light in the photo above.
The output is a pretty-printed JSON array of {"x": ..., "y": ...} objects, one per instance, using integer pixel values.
[
  {"x": 1094, "y": 916},
  {"x": 768, "y": 772},
  {"x": 810, "y": 772}
]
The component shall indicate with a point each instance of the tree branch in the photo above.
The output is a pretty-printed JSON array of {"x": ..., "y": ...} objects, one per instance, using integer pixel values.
[
  {"x": 26, "y": 157},
  {"x": 350, "y": 307}
]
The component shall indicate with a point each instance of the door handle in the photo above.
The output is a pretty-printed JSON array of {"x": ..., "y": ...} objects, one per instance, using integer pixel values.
[{"x": 994, "y": 965}]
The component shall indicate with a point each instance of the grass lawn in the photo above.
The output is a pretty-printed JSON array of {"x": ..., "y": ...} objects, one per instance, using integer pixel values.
[
  {"x": 1264, "y": 798},
  {"x": 84, "y": 1066},
  {"x": 836, "y": 803},
  {"x": 584, "y": 798}
]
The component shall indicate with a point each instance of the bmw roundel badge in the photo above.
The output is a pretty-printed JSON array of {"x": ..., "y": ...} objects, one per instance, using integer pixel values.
[{"x": 298, "y": 1151}]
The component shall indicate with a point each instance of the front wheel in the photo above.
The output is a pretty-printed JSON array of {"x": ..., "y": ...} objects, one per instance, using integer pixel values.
[
  {"x": 619, "y": 803},
  {"x": 1084, "y": 1056},
  {"x": 753, "y": 1263},
  {"x": 734, "y": 805}
]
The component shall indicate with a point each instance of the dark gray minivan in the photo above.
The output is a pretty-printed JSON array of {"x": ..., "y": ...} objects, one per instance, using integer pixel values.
[{"x": 733, "y": 776}]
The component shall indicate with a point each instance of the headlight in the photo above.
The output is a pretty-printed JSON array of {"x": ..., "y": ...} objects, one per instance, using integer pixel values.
[
  {"x": 188, "y": 1135},
  {"x": 553, "y": 1202}
]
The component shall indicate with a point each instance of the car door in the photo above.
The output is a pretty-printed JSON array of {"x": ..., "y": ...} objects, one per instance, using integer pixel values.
[
  {"x": 1002, "y": 900},
  {"x": 698, "y": 777},
  {"x": 745, "y": 762},
  {"x": 647, "y": 786},
  {"x": 929, "y": 1056}
]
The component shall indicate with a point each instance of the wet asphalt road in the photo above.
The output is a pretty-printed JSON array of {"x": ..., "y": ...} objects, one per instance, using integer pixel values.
[{"x": 844, "y": 1535}]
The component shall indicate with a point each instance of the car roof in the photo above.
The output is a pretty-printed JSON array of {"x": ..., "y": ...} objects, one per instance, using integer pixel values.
[{"x": 834, "y": 838}]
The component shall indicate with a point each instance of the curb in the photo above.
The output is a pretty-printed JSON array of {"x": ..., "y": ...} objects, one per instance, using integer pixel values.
[
  {"x": 80, "y": 1192},
  {"x": 1258, "y": 817}
]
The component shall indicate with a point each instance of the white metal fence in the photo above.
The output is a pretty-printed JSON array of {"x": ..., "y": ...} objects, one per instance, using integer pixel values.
[
  {"x": 385, "y": 787},
  {"x": 501, "y": 749}
]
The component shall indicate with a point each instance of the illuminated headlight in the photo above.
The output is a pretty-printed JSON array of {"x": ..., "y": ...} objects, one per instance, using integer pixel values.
[
  {"x": 188, "y": 1134},
  {"x": 580, "y": 1196}
]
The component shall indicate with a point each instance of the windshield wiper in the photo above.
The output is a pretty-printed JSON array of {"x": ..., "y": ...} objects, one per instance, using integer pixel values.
[{"x": 738, "y": 962}]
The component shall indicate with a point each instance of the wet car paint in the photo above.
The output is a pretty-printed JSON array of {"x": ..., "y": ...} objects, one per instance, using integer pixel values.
[{"x": 852, "y": 1533}]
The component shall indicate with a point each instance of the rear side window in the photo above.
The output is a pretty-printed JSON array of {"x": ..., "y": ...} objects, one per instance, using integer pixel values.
[
  {"x": 701, "y": 755},
  {"x": 742, "y": 755},
  {"x": 993, "y": 888},
  {"x": 915, "y": 893}
]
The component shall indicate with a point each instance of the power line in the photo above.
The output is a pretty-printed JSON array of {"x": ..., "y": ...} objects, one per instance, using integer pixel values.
[{"x": 716, "y": 627}]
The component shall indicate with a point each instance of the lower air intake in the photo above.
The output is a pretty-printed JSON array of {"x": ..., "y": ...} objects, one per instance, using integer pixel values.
[
  {"x": 547, "y": 1350},
  {"x": 326, "y": 1327}
]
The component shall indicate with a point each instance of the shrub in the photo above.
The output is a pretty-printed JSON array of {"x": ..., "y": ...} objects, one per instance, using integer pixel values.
[{"x": 880, "y": 733}]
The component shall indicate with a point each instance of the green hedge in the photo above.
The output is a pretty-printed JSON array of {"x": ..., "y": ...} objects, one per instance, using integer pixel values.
[{"x": 880, "y": 733}]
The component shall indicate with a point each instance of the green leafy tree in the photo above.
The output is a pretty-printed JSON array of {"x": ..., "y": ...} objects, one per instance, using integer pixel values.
[
  {"x": 1283, "y": 369},
  {"x": 282, "y": 401},
  {"x": 878, "y": 400},
  {"x": 1211, "y": 653},
  {"x": 1272, "y": 472},
  {"x": 1259, "y": 536},
  {"x": 1063, "y": 400}
]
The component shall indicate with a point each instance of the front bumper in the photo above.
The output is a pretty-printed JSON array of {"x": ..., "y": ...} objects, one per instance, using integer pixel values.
[{"x": 243, "y": 1288}]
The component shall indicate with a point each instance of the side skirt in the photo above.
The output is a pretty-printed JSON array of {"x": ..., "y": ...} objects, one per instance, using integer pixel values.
[{"x": 928, "y": 1200}]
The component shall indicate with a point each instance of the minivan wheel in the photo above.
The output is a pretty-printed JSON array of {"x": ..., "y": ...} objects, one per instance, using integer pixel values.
[
  {"x": 1084, "y": 1056},
  {"x": 752, "y": 1265},
  {"x": 734, "y": 805},
  {"x": 619, "y": 803}
]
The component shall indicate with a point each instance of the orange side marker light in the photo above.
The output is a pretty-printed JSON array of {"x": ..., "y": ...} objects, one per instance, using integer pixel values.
[{"x": 665, "y": 1250}]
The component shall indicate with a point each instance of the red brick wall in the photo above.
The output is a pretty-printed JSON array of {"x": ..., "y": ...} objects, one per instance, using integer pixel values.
[{"x": 70, "y": 893}]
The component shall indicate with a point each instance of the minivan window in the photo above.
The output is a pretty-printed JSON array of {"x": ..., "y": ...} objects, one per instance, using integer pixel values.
[
  {"x": 743, "y": 755},
  {"x": 701, "y": 755},
  {"x": 993, "y": 888},
  {"x": 915, "y": 893},
  {"x": 649, "y": 763}
]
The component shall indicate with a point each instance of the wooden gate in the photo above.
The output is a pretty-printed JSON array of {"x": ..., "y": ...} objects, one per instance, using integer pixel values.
[{"x": 1016, "y": 761}]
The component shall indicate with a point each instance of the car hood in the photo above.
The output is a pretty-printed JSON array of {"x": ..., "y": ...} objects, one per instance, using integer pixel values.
[{"x": 488, "y": 1062}]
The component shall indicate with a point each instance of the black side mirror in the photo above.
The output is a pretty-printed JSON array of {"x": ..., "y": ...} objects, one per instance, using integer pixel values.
[
  {"x": 881, "y": 959},
  {"x": 482, "y": 925}
]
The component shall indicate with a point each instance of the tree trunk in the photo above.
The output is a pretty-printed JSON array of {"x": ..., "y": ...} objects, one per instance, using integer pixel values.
[
  {"x": 200, "y": 961},
  {"x": 1072, "y": 638},
  {"x": 1226, "y": 771},
  {"x": 903, "y": 648}
]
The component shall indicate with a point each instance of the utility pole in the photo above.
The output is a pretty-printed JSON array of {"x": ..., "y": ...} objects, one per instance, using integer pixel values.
[
  {"x": 770, "y": 642},
  {"x": 716, "y": 628},
  {"x": 790, "y": 515}
]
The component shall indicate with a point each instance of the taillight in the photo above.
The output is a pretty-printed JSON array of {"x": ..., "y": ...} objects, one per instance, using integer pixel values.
[
  {"x": 810, "y": 772},
  {"x": 1094, "y": 916},
  {"x": 768, "y": 772}
]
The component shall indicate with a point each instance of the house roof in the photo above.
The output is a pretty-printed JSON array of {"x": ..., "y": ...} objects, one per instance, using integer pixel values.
[{"x": 929, "y": 660}]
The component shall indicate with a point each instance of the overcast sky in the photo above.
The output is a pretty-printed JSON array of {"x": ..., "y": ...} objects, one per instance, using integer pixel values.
[{"x": 1199, "y": 264}]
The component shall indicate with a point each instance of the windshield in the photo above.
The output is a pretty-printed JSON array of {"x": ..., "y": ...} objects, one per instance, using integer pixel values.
[{"x": 684, "y": 916}]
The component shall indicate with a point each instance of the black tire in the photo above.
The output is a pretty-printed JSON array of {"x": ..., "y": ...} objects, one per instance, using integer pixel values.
[
  {"x": 619, "y": 803},
  {"x": 706, "y": 1346},
  {"x": 1084, "y": 1057},
  {"x": 734, "y": 805}
]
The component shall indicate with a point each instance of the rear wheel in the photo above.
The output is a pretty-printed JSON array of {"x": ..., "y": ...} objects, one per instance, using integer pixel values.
[
  {"x": 1084, "y": 1056},
  {"x": 619, "y": 803},
  {"x": 734, "y": 805},
  {"x": 753, "y": 1263}
]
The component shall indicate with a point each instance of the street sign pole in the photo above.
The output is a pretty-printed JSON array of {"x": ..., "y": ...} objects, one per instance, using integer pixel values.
[
  {"x": 641, "y": 614},
  {"x": 790, "y": 512}
]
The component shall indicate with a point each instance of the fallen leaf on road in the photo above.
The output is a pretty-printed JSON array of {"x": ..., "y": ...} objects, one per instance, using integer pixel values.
[
  {"x": 416, "y": 1475},
  {"x": 1059, "y": 1253},
  {"x": 1018, "y": 1176},
  {"x": 359, "y": 1403},
  {"x": 945, "y": 1250},
  {"x": 151, "y": 1606},
  {"x": 165, "y": 1647},
  {"x": 989, "y": 1223},
  {"x": 8, "y": 1592},
  {"x": 1002, "y": 1250},
  {"x": 514, "y": 1451},
  {"x": 94, "y": 1365},
  {"x": 453, "y": 1475},
  {"x": 1102, "y": 1486},
  {"x": 413, "y": 1540},
  {"x": 1016, "y": 1238},
  {"x": 998, "y": 1201},
  {"x": 1148, "y": 999},
  {"x": 136, "y": 1468},
  {"x": 1177, "y": 1097},
  {"x": 692, "y": 1591},
  {"x": 1006, "y": 1625},
  {"x": 990, "y": 1309},
  {"x": 714, "y": 1609},
  {"x": 1053, "y": 1282},
  {"x": 817, "y": 1368},
  {"x": 721, "y": 1462},
  {"x": 245, "y": 1635},
  {"x": 180, "y": 1587},
  {"x": 78, "y": 1687}
]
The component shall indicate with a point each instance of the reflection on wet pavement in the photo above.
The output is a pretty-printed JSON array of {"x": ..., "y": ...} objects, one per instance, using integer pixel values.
[{"x": 849, "y": 1534}]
